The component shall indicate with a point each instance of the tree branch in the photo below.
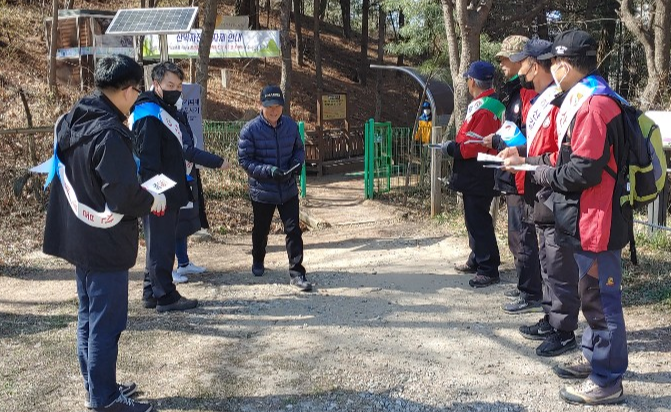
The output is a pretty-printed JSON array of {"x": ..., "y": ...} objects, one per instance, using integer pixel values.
[{"x": 633, "y": 24}]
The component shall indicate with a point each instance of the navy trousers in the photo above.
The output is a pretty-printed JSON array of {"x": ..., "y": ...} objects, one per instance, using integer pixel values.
[
  {"x": 159, "y": 235},
  {"x": 263, "y": 217},
  {"x": 523, "y": 244},
  {"x": 103, "y": 313},
  {"x": 481, "y": 238},
  {"x": 604, "y": 341}
]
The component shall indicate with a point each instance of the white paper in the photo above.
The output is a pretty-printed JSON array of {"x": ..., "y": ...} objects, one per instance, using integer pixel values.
[
  {"x": 296, "y": 166},
  {"x": 473, "y": 142},
  {"x": 474, "y": 135},
  {"x": 523, "y": 168},
  {"x": 484, "y": 157},
  {"x": 159, "y": 184}
]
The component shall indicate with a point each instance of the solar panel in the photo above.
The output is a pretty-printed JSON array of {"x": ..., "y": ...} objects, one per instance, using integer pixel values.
[{"x": 164, "y": 20}]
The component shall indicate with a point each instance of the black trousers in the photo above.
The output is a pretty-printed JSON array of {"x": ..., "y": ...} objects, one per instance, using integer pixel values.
[
  {"x": 159, "y": 235},
  {"x": 481, "y": 239},
  {"x": 560, "y": 281},
  {"x": 263, "y": 216},
  {"x": 523, "y": 244}
]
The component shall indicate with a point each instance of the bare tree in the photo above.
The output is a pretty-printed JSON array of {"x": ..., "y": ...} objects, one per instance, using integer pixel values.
[
  {"x": 381, "y": 27},
  {"x": 52, "y": 47},
  {"x": 655, "y": 36},
  {"x": 318, "y": 54},
  {"x": 466, "y": 17},
  {"x": 298, "y": 16},
  {"x": 363, "y": 59},
  {"x": 209, "y": 20},
  {"x": 285, "y": 41},
  {"x": 401, "y": 23},
  {"x": 345, "y": 11}
]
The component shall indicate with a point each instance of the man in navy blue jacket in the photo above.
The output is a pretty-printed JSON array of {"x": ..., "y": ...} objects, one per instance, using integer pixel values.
[{"x": 271, "y": 151}]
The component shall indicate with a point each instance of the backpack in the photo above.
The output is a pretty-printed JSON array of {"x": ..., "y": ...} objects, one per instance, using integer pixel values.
[{"x": 643, "y": 159}]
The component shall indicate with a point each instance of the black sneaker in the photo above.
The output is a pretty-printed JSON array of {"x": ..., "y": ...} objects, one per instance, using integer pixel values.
[
  {"x": 522, "y": 305},
  {"x": 126, "y": 389},
  {"x": 125, "y": 404},
  {"x": 464, "y": 268},
  {"x": 538, "y": 331},
  {"x": 182, "y": 304},
  {"x": 149, "y": 303},
  {"x": 556, "y": 343},
  {"x": 512, "y": 293},
  {"x": 578, "y": 370},
  {"x": 258, "y": 269},
  {"x": 301, "y": 283},
  {"x": 482, "y": 281}
]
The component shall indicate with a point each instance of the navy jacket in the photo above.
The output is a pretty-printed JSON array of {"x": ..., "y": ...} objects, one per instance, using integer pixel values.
[
  {"x": 262, "y": 146},
  {"x": 96, "y": 148},
  {"x": 159, "y": 152}
]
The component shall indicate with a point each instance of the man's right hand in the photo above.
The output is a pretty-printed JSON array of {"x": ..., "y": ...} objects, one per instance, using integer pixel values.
[
  {"x": 159, "y": 205},
  {"x": 277, "y": 174}
]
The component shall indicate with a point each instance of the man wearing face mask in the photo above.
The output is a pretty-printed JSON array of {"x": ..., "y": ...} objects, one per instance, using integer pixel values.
[
  {"x": 159, "y": 148},
  {"x": 92, "y": 223},
  {"x": 476, "y": 183},
  {"x": 587, "y": 186},
  {"x": 522, "y": 239},
  {"x": 560, "y": 273}
]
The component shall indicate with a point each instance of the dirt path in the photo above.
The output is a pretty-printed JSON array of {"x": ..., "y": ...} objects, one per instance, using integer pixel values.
[{"x": 390, "y": 327}]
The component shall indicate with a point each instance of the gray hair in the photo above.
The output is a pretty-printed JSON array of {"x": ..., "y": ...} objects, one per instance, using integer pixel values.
[{"x": 483, "y": 84}]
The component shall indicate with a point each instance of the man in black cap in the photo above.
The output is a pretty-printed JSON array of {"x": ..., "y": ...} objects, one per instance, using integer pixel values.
[
  {"x": 559, "y": 270},
  {"x": 476, "y": 183},
  {"x": 271, "y": 151},
  {"x": 586, "y": 187}
]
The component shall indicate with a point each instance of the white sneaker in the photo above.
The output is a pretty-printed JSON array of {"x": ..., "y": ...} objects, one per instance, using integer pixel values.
[
  {"x": 189, "y": 269},
  {"x": 178, "y": 277}
]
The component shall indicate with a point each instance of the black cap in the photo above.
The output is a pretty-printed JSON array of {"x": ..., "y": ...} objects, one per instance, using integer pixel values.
[
  {"x": 571, "y": 43},
  {"x": 271, "y": 96},
  {"x": 533, "y": 48}
]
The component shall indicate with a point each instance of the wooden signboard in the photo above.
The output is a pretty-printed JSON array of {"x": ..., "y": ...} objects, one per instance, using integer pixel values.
[{"x": 332, "y": 106}]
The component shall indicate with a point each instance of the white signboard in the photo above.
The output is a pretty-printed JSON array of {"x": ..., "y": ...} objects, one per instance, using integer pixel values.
[
  {"x": 233, "y": 22},
  {"x": 225, "y": 44}
]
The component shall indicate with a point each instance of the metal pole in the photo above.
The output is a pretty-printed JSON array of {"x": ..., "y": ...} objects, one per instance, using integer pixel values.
[
  {"x": 301, "y": 130},
  {"x": 436, "y": 160}
]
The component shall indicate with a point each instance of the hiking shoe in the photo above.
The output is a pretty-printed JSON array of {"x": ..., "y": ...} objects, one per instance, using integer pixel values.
[
  {"x": 125, "y": 404},
  {"x": 182, "y": 304},
  {"x": 190, "y": 269},
  {"x": 522, "y": 305},
  {"x": 512, "y": 293},
  {"x": 464, "y": 268},
  {"x": 258, "y": 269},
  {"x": 126, "y": 389},
  {"x": 556, "y": 343},
  {"x": 149, "y": 303},
  {"x": 482, "y": 281},
  {"x": 178, "y": 278},
  {"x": 589, "y": 393},
  {"x": 538, "y": 331},
  {"x": 301, "y": 283},
  {"x": 579, "y": 370}
]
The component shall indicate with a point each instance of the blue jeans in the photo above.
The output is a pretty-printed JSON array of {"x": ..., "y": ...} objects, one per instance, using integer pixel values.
[
  {"x": 103, "y": 313},
  {"x": 604, "y": 341},
  {"x": 181, "y": 252}
]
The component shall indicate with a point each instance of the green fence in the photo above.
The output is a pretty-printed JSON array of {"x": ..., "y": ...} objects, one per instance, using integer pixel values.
[{"x": 222, "y": 138}]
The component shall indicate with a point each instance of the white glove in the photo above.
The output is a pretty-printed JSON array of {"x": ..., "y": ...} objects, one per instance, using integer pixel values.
[{"x": 158, "y": 207}]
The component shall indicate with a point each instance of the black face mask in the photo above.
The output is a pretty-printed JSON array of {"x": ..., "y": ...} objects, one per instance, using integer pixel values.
[
  {"x": 527, "y": 84},
  {"x": 171, "y": 96}
]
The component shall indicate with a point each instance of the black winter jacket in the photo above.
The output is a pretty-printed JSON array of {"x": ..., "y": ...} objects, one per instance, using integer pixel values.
[
  {"x": 95, "y": 146},
  {"x": 510, "y": 97}
]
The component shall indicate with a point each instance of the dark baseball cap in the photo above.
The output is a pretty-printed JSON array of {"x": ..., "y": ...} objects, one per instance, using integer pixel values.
[
  {"x": 271, "y": 96},
  {"x": 571, "y": 43},
  {"x": 480, "y": 70},
  {"x": 533, "y": 48}
]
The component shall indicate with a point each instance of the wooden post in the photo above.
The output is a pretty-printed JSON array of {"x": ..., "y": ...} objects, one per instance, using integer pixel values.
[{"x": 436, "y": 160}]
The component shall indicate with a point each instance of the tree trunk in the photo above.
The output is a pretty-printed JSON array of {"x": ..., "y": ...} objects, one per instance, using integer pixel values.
[
  {"x": 209, "y": 20},
  {"x": 401, "y": 23},
  {"x": 363, "y": 59},
  {"x": 52, "y": 47},
  {"x": 318, "y": 55},
  {"x": 285, "y": 41},
  {"x": 346, "y": 10},
  {"x": 381, "y": 30},
  {"x": 242, "y": 7},
  {"x": 298, "y": 16},
  {"x": 322, "y": 9},
  {"x": 70, "y": 4}
]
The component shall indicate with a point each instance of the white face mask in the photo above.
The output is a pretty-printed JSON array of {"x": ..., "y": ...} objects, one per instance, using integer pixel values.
[
  {"x": 554, "y": 74},
  {"x": 427, "y": 112},
  {"x": 179, "y": 103}
]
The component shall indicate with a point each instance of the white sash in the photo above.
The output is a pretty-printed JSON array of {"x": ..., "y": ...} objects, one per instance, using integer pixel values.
[
  {"x": 539, "y": 112},
  {"x": 473, "y": 107},
  {"x": 572, "y": 103}
]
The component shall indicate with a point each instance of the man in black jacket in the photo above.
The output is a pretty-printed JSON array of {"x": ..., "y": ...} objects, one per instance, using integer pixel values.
[
  {"x": 92, "y": 223},
  {"x": 158, "y": 145}
]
